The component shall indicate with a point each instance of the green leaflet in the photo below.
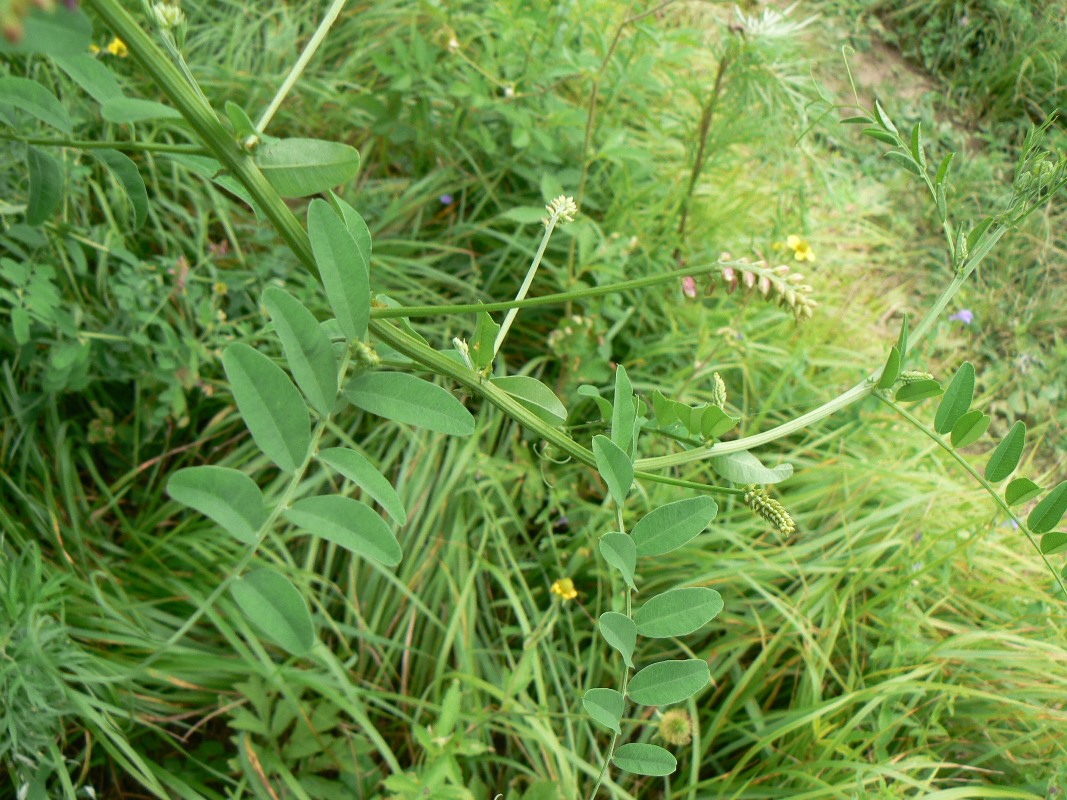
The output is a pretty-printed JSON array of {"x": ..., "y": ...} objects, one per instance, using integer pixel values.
[
  {"x": 405, "y": 398},
  {"x": 367, "y": 477},
  {"x": 1020, "y": 490},
  {"x": 620, "y": 552},
  {"x": 1006, "y": 457},
  {"x": 270, "y": 405},
  {"x": 211, "y": 170},
  {"x": 917, "y": 149},
  {"x": 918, "y": 390},
  {"x": 881, "y": 136},
  {"x": 342, "y": 268},
  {"x": 942, "y": 171},
  {"x": 745, "y": 468},
  {"x": 706, "y": 421},
  {"x": 671, "y": 526},
  {"x": 308, "y": 350},
  {"x": 1047, "y": 514},
  {"x": 131, "y": 110},
  {"x": 93, "y": 77},
  {"x": 303, "y": 167},
  {"x": 714, "y": 422},
  {"x": 623, "y": 415},
  {"x": 605, "y": 706},
  {"x": 603, "y": 406},
  {"x": 957, "y": 399},
  {"x": 891, "y": 370},
  {"x": 620, "y": 632},
  {"x": 35, "y": 100},
  {"x": 644, "y": 759},
  {"x": 677, "y": 612},
  {"x": 228, "y": 497},
  {"x": 275, "y": 606},
  {"x": 1053, "y": 543},
  {"x": 902, "y": 339},
  {"x": 46, "y": 186},
  {"x": 614, "y": 466},
  {"x": 481, "y": 349},
  {"x": 969, "y": 428},
  {"x": 349, "y": 523},
  {"x": 886, "y": 123},
  {"x": 904, "y": 160},
  {"x": 357, "y": 228},
  {"x": 129, "y": 178},
  {"x": 534, "y": 395},
  {"x": 668, "y": 682},
  {"x": 242, "y": 124}
]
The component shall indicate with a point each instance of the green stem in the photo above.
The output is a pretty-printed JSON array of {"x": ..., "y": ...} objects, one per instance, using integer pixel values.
[
  {"x": 553, "y": 220},
  {"x": 464, "y": 376},
  {"x": 842, "y": 401},
  {"x": 301, "y": 63},
  {"x": 903, "y": 412},
  {"x": 551, "y": 299},
  {"x": 90, "y": 144}
]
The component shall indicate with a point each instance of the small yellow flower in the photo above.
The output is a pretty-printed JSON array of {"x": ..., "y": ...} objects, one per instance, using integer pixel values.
[
  {"x": 801, "y": 249},
  {"x": 564, "y": 587},
  {"x": 117, "y": 47},
  {"x": 220, "y": 289},
  {"x": 94, "y": 49}
]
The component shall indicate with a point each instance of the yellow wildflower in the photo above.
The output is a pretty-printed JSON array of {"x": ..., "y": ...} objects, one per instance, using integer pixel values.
[
  {"x": 219, "y": 288},
  {"x": 117, "y": 47},
  {"x": 94, "y": 49},
  {"x": 564, "y": 587},
  {"x": 801, "y": 249}
]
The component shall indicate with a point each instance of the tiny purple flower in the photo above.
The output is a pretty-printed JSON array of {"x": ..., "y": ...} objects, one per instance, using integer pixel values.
[
  {"x": 446, "y": 199},
  {"x": 964, "y": 315}
]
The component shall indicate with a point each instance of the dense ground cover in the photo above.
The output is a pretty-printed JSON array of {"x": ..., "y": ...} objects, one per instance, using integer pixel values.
[{"x": 905, "y": 641}]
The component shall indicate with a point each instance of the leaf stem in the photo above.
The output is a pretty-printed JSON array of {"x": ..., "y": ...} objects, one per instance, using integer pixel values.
[
  {"x": 550, "y": 226},
  {"x": 92, "y": 144},
  {"x": 301, "y": 63},
  {"x": 915, "y": 422},
  {"x": 551, "y": 299},
  {"x": 844, "y": 400}
]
